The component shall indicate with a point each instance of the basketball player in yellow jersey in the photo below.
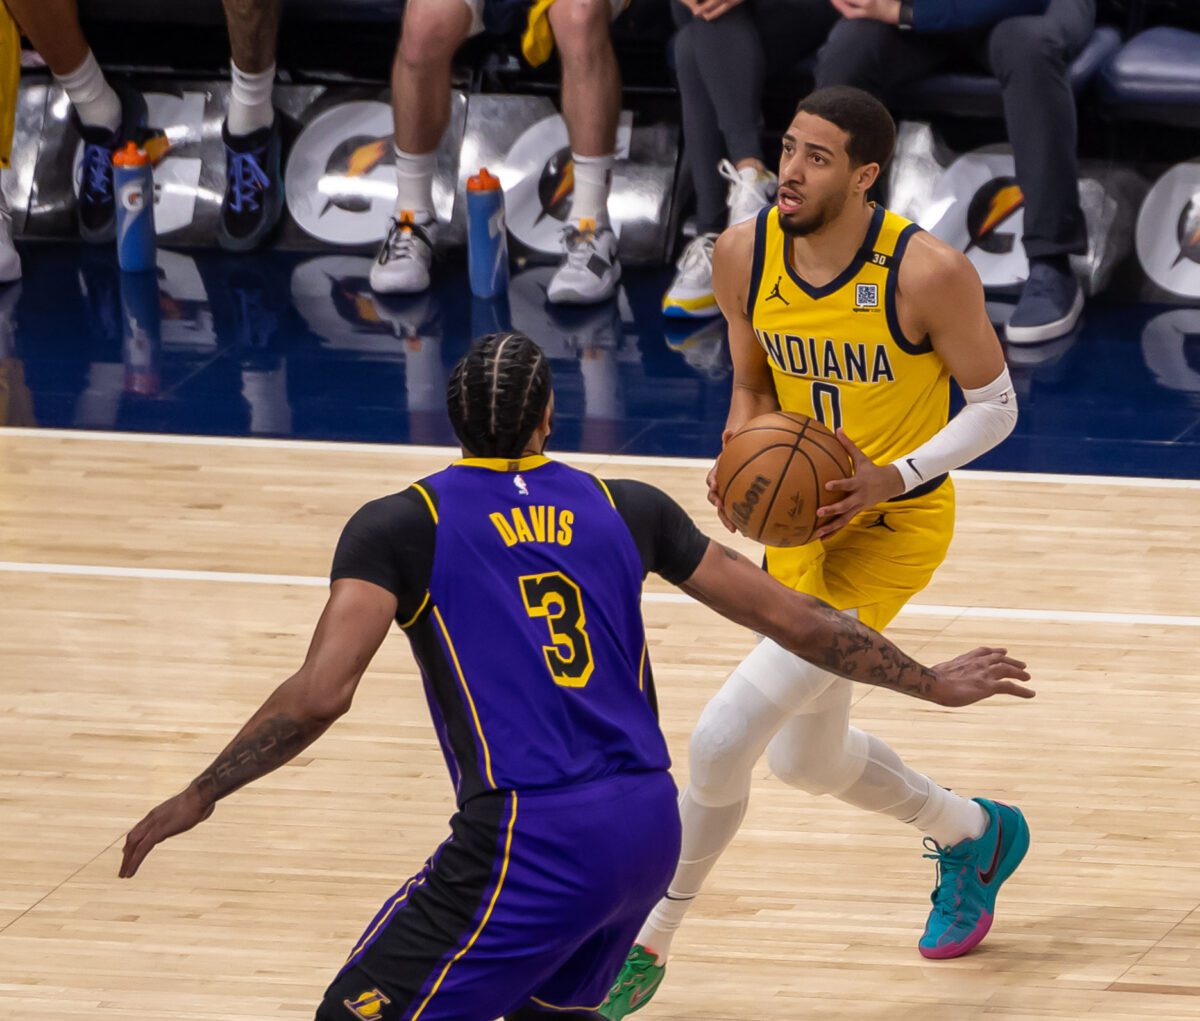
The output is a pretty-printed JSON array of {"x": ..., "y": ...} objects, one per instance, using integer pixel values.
[{"x": 844, "y": 311}]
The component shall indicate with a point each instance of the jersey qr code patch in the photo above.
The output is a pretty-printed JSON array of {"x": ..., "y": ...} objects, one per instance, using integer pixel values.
[{"x": 866, "y": 295}]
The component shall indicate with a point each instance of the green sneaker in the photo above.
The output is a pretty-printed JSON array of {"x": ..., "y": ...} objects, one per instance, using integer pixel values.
[{"x": 640, "y": 977}]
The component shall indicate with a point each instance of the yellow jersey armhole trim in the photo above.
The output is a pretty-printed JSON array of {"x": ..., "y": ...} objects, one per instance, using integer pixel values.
[
  {"x": 606, "y": 491},
  {"x": 428, "y": 500},
  {"x": 420, "y": 610}
]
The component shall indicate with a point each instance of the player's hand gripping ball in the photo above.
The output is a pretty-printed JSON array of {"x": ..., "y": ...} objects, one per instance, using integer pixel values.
[{"x": 770, "y": 478}]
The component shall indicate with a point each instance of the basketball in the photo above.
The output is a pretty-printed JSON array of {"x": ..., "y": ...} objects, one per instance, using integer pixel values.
[{"x": 771, "y": 477}]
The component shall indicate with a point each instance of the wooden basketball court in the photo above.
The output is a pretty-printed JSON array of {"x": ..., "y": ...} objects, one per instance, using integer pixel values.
[{"x": 155, "y": 589}]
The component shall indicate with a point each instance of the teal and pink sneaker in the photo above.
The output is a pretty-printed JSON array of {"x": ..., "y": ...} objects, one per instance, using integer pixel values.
[{"x": 970, "y": 875}]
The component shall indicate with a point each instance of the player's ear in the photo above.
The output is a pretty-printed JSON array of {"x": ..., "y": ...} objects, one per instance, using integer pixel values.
[{"x": 865, "y": 176}]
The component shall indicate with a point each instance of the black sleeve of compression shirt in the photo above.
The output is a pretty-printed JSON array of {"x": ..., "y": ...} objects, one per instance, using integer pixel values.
[
  {"x": 389, "y": 542},
  {"x": 668, "y": 540}
]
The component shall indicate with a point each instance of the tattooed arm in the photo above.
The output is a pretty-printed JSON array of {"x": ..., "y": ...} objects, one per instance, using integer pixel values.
[
  {"x": 728, "y": 583},
  {"x": 352, "y": 627}
]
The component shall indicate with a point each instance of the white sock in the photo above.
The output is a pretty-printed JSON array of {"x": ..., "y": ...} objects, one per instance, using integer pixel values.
[
  {"x": 414, "y": 183},
  {"x": 250, "y": 106},
  {"x": 950, "y": 818},
  {"x": 96, "y": 102},
  {"x": 593, "y": 181}
]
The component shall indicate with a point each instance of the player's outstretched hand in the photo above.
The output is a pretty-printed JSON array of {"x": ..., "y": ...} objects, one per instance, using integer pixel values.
[
  {"x": 979, "y": 674},
  {"x": 713, "y": 498},
  {"x": 870, "y": 485},
  {"x": 174, "y": 816}
]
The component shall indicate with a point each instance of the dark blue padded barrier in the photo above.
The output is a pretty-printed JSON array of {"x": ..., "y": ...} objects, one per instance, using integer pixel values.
[
  {"x": 1155, "y": 77},
  {"x": 966, "y": 94}
]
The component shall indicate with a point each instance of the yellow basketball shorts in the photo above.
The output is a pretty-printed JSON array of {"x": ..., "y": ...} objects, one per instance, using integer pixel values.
[{"x": 878, "y": 562}]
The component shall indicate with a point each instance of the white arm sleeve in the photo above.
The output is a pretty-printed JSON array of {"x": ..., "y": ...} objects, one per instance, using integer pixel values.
[{"x": 990, "y": 415}]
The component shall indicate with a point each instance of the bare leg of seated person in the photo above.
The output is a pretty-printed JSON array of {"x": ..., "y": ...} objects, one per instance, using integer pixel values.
[
  {"x": 591, "y": 105},
  {"x": 432, "y": 31}
]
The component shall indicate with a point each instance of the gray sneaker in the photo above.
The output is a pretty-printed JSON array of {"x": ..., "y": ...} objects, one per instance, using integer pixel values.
[{"x": 1050, "y": 306}]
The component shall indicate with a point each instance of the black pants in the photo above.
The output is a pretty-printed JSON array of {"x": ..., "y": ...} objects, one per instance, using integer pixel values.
[
  {"x": 1030, "y": 56},
  {"x": 721, "y": 65}
]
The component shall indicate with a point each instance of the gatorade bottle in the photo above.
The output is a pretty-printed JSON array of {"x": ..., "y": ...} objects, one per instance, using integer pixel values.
[
  {"x": 487, "y": 236},
  {"x": 133, "y": 180},
  {"x": 141, "y": 332}
]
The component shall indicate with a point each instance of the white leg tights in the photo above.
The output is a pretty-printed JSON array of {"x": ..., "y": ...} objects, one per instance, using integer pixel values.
[
  {"x": 800, "y": 715},
  {"x": 734, "y": 730}
]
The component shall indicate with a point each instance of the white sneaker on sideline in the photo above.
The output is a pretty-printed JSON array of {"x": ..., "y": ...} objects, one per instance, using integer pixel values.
[
  {"x": 402, "y": 265},
  {"x": 589, "y": 271},
  {"x": 690, "y": 295},
  {"x": 749, "y": 190},
  {"x": 10, "y": 261}
]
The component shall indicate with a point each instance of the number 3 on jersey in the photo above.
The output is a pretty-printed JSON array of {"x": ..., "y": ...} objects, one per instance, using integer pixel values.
[
  {"x": 557, "y": 598},
  {"x": 823, "y": 394}
]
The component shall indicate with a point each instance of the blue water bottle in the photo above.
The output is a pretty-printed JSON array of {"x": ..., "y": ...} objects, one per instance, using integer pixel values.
[
  {"x": 141, "y": 332},
  {"x": 487, "y": 236},
  {"x": 133, "y": 179}
]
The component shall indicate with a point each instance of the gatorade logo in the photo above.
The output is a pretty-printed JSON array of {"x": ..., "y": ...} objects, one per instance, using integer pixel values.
[
  {"x": 132, "y": 197},
  {"x": 1189, "y": 231},
  {"x": 340, "y": 182},
  {"x": 556, "y": 186},
  {"x": 990, "y": 208},
  {"x": 352, "y": 161},
  {"x": 1168, "y": 231},
  {"x": 496, "y": 223},
  {"x": 1171, "y": 351},
  {"x": 333, "y": 294},
  {"x": 538, "y": 176},
  {"x": 977, "y": 206}
]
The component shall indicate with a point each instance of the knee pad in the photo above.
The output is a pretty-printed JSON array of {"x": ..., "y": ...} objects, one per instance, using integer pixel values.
[{"x": 722, "y": 750}]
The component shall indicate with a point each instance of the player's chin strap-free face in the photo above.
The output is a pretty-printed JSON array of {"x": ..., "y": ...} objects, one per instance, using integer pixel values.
[{"x": 989, "y": 416}]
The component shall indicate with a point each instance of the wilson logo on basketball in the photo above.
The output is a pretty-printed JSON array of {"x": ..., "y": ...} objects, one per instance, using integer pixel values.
[
  {"x": 743, "y": 509},
  {"x": 992, "y": 205}
]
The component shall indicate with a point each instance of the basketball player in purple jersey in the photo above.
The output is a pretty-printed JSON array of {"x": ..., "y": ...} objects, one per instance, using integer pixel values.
[{"x": 518, "y": 582}]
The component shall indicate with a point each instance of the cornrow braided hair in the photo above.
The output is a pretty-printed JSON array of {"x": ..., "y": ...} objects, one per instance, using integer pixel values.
[{"x": 497, "y": 394}]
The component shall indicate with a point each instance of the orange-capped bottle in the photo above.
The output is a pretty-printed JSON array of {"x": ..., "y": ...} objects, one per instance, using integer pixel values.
[
  {"x": 487, "y": 235},
  {"x": 133, "y": 181}
]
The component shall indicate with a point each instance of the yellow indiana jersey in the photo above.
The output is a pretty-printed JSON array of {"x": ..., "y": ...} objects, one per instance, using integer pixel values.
[{"x": 837, "y": 352}]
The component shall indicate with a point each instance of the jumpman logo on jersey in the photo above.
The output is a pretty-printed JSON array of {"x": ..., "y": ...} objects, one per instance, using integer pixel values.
[
  {"x": 881, "y": 522},
  {"x": 775, "y": 293}
]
